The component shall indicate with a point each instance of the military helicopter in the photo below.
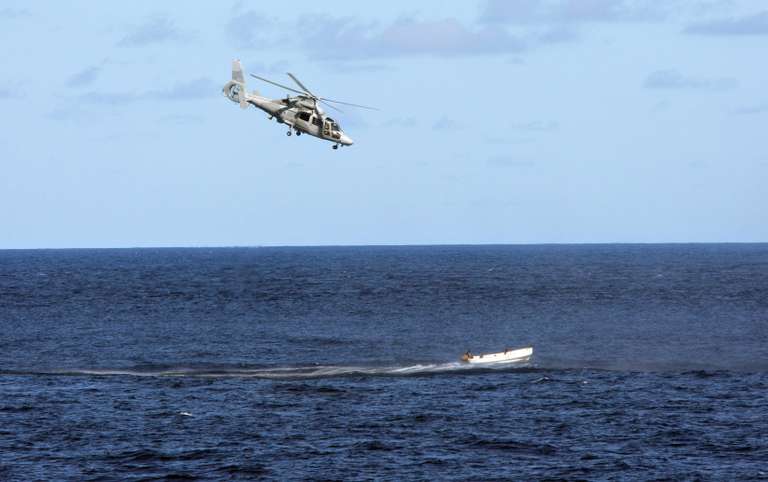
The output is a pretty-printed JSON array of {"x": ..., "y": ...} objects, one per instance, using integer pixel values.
[{"x": 302, "y": 113}]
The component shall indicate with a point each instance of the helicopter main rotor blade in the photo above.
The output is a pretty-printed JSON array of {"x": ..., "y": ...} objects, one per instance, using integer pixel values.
[
  {"x": 279, "y": 85},
  {"x": 298, "y": 82},
  {"x": 306, "y": 91},
  {"x": 347, "y": 103},
  {"x": 331, "y": 106}
]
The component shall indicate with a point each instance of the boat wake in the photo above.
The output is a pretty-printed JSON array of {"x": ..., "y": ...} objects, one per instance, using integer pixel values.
[{"x": 285, "y": 373}]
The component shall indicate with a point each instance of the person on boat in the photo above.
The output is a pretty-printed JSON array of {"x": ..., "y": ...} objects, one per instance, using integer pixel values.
[{"x": 467, "y": 356}]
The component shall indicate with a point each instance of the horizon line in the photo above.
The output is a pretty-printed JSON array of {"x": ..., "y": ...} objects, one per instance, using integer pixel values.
[{"x": 387, "y": 245}]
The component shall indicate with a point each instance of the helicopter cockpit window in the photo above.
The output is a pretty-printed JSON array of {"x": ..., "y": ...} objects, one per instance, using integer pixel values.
[
  {"x": 334, "y": 124},
  {"x": 304, "y": 116}
]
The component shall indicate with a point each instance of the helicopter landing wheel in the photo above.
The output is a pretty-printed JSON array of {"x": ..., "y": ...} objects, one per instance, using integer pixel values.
[
  {"x": 335, "y": 146},
  {"x": 298, "y": 133},
  {"x": 288, "y": 133}
]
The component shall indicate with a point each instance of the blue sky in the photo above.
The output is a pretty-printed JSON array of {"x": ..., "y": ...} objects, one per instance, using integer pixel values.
[{"x": 563, "y": 121}]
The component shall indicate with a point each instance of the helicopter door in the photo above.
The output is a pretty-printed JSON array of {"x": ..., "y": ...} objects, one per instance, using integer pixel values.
[{"x": 327, "y": 128}]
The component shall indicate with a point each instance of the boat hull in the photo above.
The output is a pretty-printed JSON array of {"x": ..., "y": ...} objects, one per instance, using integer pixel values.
[{"x": 507, "y": 356}]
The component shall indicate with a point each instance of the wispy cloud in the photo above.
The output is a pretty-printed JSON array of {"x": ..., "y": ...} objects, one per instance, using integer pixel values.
[
  {"x": 190, "y": 90},
  {"x": 556, "y": 35},
  {"x": 351, "y": 67},
  {"x": 753, "y": 109},
  {"x": 348, "y": 41},
  {"x": 182, "y": 119},
  {"x": 333, "y": 38},
  {"x": 85, "y": 76},
  {"x": 573, "y": 11},
  {"x": 673, "y": 80},
  {"x": 446, "y": 124},
  {"x": 405, "y": 122},
  {"x": 280, "y": 67},
  {"x": 756, "y": 24},
  {"x": 110, "y": 98},
  {"x": 535, "y": 126},
  {"x": 14, "y": 13},
  {"x": 509, "y": 162},
  {"x": 156, "y": 30},
  {"x": 199, "y": 88},
  {"x": 251, "y": 30}
]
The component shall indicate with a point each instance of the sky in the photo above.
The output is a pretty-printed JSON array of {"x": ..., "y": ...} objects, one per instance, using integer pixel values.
[{"x": 501, "y": 121}]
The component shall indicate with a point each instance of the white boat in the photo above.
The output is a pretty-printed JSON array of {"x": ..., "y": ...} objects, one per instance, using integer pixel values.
[{"x": 507, "y": 356}]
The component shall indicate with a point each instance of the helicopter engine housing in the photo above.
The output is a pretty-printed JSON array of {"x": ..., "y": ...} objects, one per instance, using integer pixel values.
[{"x": 306, "y": 104}]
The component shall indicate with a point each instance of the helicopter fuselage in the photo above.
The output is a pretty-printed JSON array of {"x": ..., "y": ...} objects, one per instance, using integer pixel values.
[{"x": 296, "y": 112}]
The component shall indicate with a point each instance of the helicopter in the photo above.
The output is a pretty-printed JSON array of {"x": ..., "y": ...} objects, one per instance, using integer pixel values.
[{"x": 301, "y": 113}]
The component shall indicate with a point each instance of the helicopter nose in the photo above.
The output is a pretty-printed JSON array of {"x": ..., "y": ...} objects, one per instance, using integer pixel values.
[{"x": 346, "y": 140}]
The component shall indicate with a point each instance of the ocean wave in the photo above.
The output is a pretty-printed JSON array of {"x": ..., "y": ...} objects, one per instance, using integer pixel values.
[{"x": 283, "y": 372}]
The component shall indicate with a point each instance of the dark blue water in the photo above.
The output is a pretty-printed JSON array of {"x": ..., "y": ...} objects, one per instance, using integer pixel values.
[{"x": 651, "y": 361}]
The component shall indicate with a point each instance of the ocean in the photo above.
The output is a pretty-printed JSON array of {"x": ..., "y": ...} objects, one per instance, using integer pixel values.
[{"x": 342, "y": 363}]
